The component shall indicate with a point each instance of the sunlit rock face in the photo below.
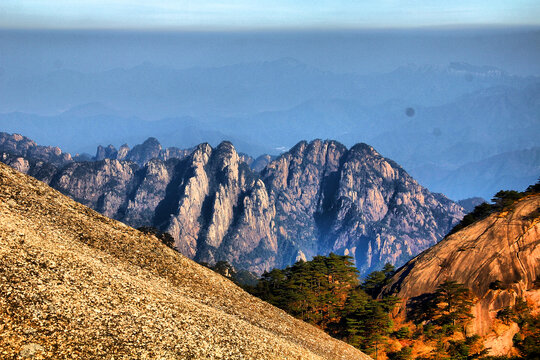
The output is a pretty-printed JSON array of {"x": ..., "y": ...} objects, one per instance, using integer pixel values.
[
  {"x": 297, "y": 183},
  {"x": 504, "y": 248},
  {"x": 319, "y": 197}
]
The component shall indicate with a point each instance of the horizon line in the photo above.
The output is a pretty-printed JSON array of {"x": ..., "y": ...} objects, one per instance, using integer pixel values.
[{"x": 280, "y": 29}]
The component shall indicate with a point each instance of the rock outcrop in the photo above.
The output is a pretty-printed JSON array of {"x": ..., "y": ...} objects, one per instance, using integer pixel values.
[
  {"x": 503, "y": 248},
  {"x": 319, "y": 197},
  {"x": 16, "y": 144},
  {"x": 141, "y": 153},
  {"x": 101, "y": 185},
  {"x": 76, "y": 284}
]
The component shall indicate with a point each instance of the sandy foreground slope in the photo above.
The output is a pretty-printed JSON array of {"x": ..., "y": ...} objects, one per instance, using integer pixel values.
[{"x": 75, "y": 284}]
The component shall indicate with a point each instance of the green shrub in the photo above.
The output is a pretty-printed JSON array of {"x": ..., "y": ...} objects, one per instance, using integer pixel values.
[{"x": 403, "y": 333}]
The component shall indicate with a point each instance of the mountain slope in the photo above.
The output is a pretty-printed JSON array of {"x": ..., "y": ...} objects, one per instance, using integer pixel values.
[
  {"x": 503, "y": 247},
  {"x": 77, "y": 284}
]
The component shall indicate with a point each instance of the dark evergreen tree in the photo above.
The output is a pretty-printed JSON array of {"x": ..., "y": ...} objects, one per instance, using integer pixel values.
[
  {"x": 452, "y": 305},
  {"x": 505, "y": 198},
  {"x": 375, "y": 281},
  {"x": 368, "y": 326}
]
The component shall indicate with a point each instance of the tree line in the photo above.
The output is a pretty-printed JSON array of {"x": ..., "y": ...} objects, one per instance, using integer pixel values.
[{"x": 327, "y": 293}]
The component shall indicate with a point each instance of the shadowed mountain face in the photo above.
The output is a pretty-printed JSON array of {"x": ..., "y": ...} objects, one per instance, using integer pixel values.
[
  {"x": 503, "y": 248},
  {"x": 319, "y": 197},
  {"x": 77, "y": 284}
]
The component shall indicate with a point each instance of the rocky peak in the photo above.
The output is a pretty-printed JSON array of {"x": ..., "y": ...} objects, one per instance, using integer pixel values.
[
  {"x": 225, "y": 157},
  {"x": 367, "y": 181},
  {"x": 297, "y": 181},
  {"x": 297, "y": 151},
  {"x": 201, "y": 154},
  {"x": 364, "y": 150},
  {"x": 142, "y": 153},
  {"x": 123, "y": 152},
  {"x": 357, "y": 203},
  {"x": 15, "y": 143},
  {"x": 108, "y": 152},
  {"x": 102, "y": 185},
  {"x": 303, "y": 163},
  {"x": 223, "y": 197}
]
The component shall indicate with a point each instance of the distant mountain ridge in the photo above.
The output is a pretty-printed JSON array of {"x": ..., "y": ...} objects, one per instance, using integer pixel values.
[
  {"x": 252, "y": 82},
  {"x": 458, "y": 114},
  {"x": 319, "y": 197},
  {"x": 509, "y": 170}
]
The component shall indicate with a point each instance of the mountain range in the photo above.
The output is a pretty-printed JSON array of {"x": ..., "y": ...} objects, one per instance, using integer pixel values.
[
  {"x": 430, "y": 119},
  {"x": 317, "y": 198},
  {"x": 154, "y": 92},
  {"x": 76, "y": 283}
]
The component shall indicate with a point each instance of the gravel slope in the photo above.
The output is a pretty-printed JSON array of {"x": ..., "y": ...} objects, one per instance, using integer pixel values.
[{"x": 75, "y": 284}]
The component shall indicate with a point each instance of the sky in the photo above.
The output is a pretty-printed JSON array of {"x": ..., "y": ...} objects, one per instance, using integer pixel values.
[{"x": 264, "y": 14}]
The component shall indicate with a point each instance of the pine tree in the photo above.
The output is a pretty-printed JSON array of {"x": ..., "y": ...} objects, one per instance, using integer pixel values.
[
  {"x": 368, "y": 326},
  {"x": 326, "y": 292},
  {"x": 453, "y": 302}
]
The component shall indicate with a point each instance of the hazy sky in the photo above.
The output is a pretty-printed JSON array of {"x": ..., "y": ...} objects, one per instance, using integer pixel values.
[{"x": 253, "y": 14}]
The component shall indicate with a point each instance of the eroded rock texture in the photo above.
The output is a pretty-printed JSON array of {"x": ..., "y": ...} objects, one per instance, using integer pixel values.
[
  {"x": 319, "y": 197},
  {"x": 355, "y": 202}
]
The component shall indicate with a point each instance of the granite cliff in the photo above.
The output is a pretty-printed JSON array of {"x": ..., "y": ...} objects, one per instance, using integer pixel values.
[
  {"x": 76, "y": 284},
  {"x": 24, "y": 147},
  {"x": 502, "y": 249},
  {"x": 319, "y": 197}
]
